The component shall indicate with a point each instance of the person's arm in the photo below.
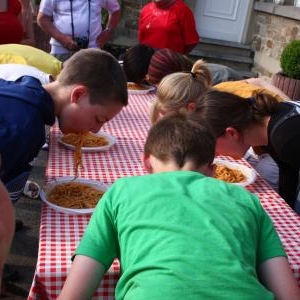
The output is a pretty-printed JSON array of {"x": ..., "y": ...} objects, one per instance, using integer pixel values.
[
  {"x": 27, "y": 22},
  {"x": 189, "y": 48},
  {"x": 83, "y": 279},
  {"x": 112, "y": 23},
  {"x": 276, "y": 275},
  {"x": 269, "y": 86},
  {"x": 45, "y": 22},
  {"x": 188, "y": 29},
  {"x": 3, "y": 6}
]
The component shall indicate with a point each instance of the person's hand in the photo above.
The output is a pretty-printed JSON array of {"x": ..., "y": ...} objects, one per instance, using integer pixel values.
[
  {"x": 104, "y": 37},
  {"x": 68, "y": 43}
]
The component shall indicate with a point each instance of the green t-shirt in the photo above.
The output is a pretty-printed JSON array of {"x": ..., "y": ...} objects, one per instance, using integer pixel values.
[{"x": 181, "y": 235}]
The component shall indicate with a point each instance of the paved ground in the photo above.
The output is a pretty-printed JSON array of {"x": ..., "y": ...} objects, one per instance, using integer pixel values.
[{"x": 24, "y": 250}]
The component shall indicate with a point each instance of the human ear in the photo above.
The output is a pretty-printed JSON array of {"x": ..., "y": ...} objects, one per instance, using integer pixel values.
[
  {"x": 147, "y": 163},
  {"x": 210, "y": 170},
  {"x": 232, "y": 133},
  {"x": 77, "y": 92}
]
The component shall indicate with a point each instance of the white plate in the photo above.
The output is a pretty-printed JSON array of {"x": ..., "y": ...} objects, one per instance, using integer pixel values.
[
  {"x": 111, "y": 141},
  {"x": 249, "y": 173},
  {"x": 96, "y": 184},
  {"x": 148, "y": 89}
]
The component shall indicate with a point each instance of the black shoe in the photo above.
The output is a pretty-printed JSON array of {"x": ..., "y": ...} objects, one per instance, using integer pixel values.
[
  {"x": 19, "y": 225},
  {"x": 10, "y": 273}
]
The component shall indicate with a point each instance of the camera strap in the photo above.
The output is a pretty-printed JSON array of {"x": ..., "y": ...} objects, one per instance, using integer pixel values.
[{"x": 72, "y": 23}]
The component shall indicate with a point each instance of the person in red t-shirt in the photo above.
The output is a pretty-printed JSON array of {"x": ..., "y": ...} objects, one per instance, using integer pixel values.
[
  {"x": 168, "y": 24},
  {"x": 11, "y": 30}
]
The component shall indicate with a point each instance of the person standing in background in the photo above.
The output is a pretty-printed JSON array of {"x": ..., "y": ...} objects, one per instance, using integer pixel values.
[
  {"x": 11, "y": 29},
  {"x": 76, "y": 24},
  {"x": 16, "y": 22},
  {"x": 168, "y": 24}
]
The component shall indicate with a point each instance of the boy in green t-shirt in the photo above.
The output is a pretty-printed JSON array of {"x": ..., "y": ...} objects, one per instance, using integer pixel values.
[{"x": 180, "y": 234}]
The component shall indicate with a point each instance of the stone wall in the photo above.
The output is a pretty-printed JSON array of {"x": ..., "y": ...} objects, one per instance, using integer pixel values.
[
  {"x": 271, "y": 33},
  {"x": 126, "y": 34}
]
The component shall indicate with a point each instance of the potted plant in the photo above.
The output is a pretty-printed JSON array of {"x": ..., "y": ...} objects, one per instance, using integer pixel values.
[{"x": 288, "y": 80}]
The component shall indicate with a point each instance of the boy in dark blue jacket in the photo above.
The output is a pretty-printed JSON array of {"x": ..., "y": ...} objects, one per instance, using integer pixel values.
[{"x": 90, "y": 90}]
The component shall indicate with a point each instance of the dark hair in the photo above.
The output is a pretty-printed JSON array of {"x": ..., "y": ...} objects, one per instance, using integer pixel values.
[
  {"x": 100, "y": 72},
  {"x": 181, "y": 137},
  {"x": 221, "y": 110},
  {"x": 166, "y": 61},
  {"x": 136, "y": 62}
]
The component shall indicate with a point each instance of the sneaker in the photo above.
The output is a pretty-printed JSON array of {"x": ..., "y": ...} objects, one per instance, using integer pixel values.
[
  {"x": 31, "y": 189},
  {"x": 45, "y": 147}
]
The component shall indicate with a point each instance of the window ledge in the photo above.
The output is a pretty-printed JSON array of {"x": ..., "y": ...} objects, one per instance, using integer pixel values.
[{"x": 287, "y": 11}]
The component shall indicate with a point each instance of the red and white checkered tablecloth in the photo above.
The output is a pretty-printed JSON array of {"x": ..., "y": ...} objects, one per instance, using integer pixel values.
[{"x": 60, "y": 233}]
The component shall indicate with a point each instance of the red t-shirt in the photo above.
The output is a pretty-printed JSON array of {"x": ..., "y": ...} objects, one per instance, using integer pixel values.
[
  {"x": 11, "y": 30},
  {"x": 172, "y": 28}
]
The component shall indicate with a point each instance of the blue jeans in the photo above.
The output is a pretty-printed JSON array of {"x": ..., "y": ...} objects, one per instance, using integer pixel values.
[{"x": 16, "y": 186}]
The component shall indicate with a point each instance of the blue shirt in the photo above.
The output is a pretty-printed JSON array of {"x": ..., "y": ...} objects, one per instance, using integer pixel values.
[{"x": 25, "y": 108}]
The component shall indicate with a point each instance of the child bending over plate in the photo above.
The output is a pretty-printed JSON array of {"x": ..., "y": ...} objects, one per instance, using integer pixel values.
[
  {"x": 89, "y": 91},
  {"x": 178, "y": 233},
  {"x": 261, "y": 120}
]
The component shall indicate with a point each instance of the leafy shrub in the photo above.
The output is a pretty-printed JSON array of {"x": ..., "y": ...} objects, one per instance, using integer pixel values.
[{"x": 290, "y": 60}]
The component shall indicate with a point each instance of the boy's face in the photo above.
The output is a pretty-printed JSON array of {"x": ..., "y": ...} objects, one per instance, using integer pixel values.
[{"x": 82, "y": 116}]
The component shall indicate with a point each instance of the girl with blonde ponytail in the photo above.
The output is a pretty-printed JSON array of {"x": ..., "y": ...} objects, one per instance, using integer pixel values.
[{"x": 180, "y": 91}]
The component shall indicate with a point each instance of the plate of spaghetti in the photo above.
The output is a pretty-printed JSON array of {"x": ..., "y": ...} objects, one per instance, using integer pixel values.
[
  {"x": 234, "y": 173},
  {"x": 73, "y": 196},
  {"x": 134, "y": 88},
  {"x": 88, "y": 142}
]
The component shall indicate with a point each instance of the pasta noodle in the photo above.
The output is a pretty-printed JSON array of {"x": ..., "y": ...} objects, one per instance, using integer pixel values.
[
  {"x": 229, "y": 175},
  {"x": 134, "y": 86},
  {"x": 74, "y": 195},
  {"x": 80, "y": 140},
  {"x": 78, "y": 154},
  {"x": 88, "y": 139}
]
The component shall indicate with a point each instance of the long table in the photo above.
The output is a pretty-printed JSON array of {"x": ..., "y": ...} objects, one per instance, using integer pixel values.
[{"x": 60, "y": 232}]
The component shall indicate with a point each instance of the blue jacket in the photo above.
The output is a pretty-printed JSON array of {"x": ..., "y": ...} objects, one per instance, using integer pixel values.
[{"x": 25, "y": 108}]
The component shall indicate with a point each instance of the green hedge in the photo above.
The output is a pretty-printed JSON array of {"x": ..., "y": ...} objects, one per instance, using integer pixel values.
[{"x": 290, "y": 60}]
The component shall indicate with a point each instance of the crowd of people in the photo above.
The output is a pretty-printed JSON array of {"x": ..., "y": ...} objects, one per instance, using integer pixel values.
[{"x": 201, "y": 110}]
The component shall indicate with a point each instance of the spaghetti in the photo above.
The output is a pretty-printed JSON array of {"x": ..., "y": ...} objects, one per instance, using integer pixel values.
[
  {"x": 79, "y": 140},
  {"x": 135, "y": 86},
  {"x": 229, "y": 175},
  {"x": 88, "y": 139},
  {"x": 74, "y": 195}
]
